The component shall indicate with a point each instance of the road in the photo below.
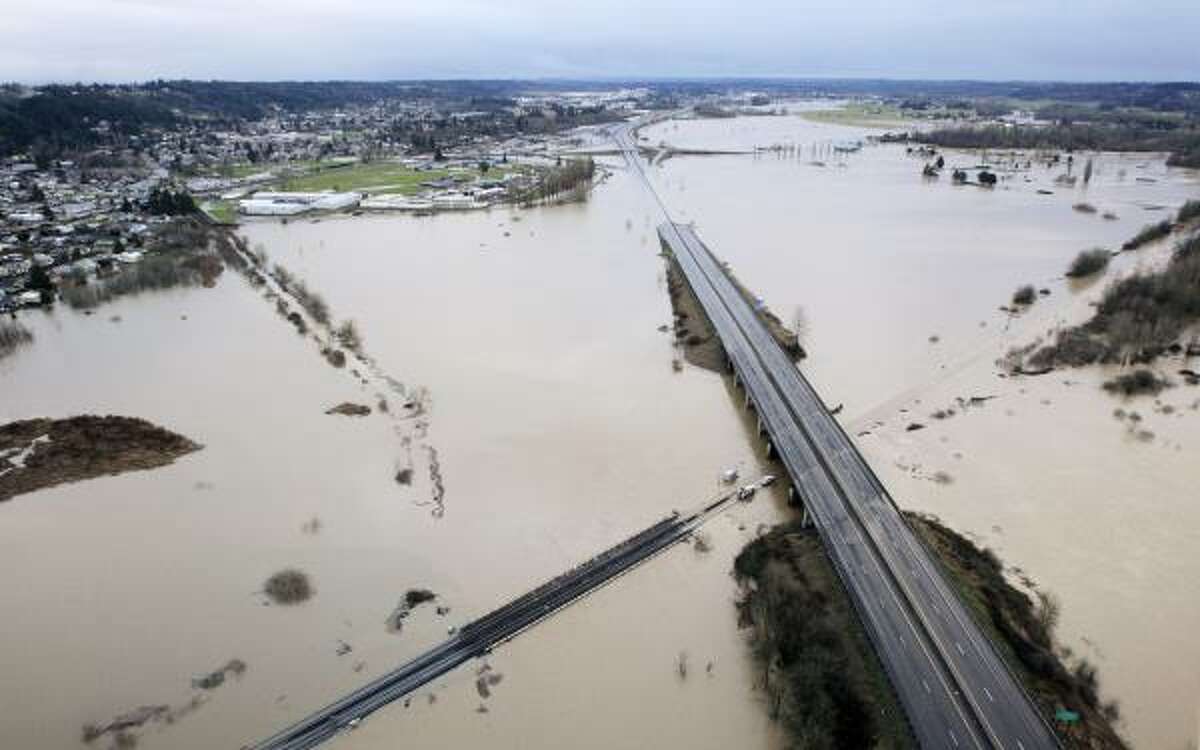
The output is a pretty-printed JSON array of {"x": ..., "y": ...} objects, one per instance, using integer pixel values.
[
  {"x": 956, "y": 690},
  {"x": 481, "y": 636}
]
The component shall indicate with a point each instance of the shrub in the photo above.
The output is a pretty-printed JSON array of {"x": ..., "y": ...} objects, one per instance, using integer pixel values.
[
  {"x": 347, "y": 333},
  {"x": 1189, "y": 211},
  {"x": 13, "y": 335},
  {"x": 312, "y": 302},
  {"x": 1150, "y": 311},
  {"x": 1188, "y": 248},
  {"x": 812, "y": 678},
  {"x": 1136, "y": 383},
  {"x": 155, "y": 272},
  {"x": 1073, "y": 347},
  {"x": 1149, "y": 233},
  {"x": 1089, "y": 262},
  {"x": 414, "y": 597},
  {"x": 1025, "y": 295},
  {"x": 289, "y": 586}
]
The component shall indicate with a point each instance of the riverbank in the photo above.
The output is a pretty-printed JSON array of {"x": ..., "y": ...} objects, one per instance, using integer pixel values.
[
  {"x": 1063, "y": 685},
  {"x": 824, "y": 681},
  {"x": 694, "y": 335}
]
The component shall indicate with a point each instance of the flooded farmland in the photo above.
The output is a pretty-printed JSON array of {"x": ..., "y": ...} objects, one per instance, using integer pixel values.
[{"x": 559, "y": 427}]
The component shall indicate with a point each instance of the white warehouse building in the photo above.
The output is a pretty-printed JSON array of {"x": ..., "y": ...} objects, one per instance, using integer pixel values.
[{"x": 289, "y": 204}]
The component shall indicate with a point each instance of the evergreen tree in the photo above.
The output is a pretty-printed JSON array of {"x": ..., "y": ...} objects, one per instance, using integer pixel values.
[{"x": 39, "y": 280}]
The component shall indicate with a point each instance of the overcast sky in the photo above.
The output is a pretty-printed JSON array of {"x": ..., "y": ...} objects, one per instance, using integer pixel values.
[{"x": 71, "y": 40}]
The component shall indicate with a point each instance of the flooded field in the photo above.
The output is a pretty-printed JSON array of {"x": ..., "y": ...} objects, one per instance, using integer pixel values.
[{"x": 559, "y": 428}]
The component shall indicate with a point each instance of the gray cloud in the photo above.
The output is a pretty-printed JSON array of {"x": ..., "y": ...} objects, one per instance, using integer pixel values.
[{"x": 375, "y": 39}]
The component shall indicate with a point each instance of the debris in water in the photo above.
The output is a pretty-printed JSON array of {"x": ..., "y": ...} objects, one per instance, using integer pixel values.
[
  {"x": 348, "y": 409},
  {"x": 435, "y": 477},
  {"x": 412, "y": 599},
  {"x": 213, "y": 680}
]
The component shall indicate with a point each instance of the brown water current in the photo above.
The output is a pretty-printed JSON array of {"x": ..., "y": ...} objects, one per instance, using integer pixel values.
[{"x": 561, "y": 428}]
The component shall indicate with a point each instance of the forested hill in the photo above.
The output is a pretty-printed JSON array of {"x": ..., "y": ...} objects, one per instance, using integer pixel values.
[
  {"x": 49, "y": 120},
  {"x": 63, "y": 117}
]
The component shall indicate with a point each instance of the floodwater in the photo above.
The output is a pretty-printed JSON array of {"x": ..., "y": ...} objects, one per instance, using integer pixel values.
[{"x": 560, "y": 428}]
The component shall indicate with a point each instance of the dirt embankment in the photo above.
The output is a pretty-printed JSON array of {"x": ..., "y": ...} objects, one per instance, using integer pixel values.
[
  {"x": 40, "y": 453},
  {"x": 341, "y": 345},
  {"x": 823, "y": 679},
  {"x": 1066, "y": 688},
  {"x": 694, "y": 333},
  {"x": 823, "y": 682}
]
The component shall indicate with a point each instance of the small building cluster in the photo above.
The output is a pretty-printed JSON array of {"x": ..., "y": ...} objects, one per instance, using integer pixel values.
[{"x": 66, "y": 219}]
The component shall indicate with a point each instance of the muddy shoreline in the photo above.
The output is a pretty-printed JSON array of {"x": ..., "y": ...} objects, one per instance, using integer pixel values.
[{"x": 694, "y": 334}]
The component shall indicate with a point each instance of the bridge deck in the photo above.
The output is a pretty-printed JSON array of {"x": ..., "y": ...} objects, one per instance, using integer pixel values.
[{"x": 482, "y": 634}]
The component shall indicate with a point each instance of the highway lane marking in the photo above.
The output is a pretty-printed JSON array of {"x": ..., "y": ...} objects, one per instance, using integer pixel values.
[
  {"x": 925, "y": 685},
  {"x": 988, "y": 693},
  {"x": 952, "y": 737},
  {"x": 958, "y": 646}
]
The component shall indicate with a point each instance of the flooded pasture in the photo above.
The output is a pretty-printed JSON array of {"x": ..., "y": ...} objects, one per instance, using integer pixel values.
[{"x": 559, "y": 428}]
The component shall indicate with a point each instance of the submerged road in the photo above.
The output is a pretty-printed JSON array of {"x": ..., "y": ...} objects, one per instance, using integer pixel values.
[
  {"x": 955, "y": 689},
  {"x": 479, "y": 637}
]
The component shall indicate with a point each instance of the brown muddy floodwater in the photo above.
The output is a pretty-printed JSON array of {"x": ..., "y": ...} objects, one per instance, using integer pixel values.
[{"x": 560, "y": 428}]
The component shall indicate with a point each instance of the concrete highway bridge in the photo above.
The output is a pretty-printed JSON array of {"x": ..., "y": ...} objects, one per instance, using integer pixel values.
[{"x": 955, "y": 688}]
